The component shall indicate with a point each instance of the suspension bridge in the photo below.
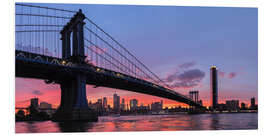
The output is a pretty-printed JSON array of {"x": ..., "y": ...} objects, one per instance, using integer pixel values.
[{"x": 67, "y": 48}]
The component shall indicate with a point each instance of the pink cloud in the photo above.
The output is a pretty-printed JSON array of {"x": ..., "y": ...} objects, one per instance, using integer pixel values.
[
  {"x": 229, "y": 75},
  {"x": 184, "y": 77},
  {"x": 232, "y": 75},
  {"x": 221, "y": 74}
]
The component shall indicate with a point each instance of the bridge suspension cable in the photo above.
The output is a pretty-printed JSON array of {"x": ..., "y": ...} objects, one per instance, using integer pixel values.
[
  {"x": 26, "y": 5},
  {"x": 125, "y": 57},
  {"x": 37, "y": 30}
]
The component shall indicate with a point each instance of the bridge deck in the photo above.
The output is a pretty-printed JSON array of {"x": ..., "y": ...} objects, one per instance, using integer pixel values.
[{"x": 32, "y": 65}]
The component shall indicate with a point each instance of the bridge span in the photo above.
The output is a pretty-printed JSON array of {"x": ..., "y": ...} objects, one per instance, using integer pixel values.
[
  {"x": 80, "y": 64},
  {"x": 29, "y": 65}
]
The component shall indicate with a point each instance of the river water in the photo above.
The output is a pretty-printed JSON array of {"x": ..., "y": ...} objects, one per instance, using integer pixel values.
[{"x": 234, "y": 121}]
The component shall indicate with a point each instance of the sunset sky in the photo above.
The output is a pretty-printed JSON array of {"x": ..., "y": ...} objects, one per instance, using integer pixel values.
[{"x": 179, "y": 44}]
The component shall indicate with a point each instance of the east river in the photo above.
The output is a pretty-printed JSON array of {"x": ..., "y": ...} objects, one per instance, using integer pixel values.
[{"x": 233, "y": 121}]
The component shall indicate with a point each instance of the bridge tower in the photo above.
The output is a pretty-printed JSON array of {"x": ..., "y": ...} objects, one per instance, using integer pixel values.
[
  {"x": 73, "y": 106},
  {"x": 194, "y": 95}
]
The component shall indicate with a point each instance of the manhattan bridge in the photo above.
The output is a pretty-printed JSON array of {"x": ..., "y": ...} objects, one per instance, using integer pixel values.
[{"x": 67, "y": 48}]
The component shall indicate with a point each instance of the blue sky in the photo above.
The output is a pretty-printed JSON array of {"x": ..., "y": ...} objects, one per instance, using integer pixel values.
[{"x": 164, "y": 37}]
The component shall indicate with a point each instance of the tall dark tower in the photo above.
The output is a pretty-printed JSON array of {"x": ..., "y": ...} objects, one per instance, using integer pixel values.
[{"x": 214, "y": 86}]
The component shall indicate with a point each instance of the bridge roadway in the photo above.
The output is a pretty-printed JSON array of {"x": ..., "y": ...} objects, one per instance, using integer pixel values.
[{"x": 31, "y": 65}]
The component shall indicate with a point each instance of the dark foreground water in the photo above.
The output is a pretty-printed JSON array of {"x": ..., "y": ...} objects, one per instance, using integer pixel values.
[{"x": 148, "y": 123}]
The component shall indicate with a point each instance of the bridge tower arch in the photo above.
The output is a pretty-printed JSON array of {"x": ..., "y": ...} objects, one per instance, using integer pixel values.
[{"x": 73, "y": 105}]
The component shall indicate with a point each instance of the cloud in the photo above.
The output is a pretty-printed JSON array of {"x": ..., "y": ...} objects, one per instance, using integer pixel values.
[
  {"x": 185, "y": 79},
  {"x": 229, "y": 75},
  {"x": 37, "y": 92},
  {"x": 188, "y": 79},
  {"x": 221, "y": 74},
  {"x": 191, "y": 74},
  {"x": 186, "y": 65},
  {"x": 232, "y": 75}
]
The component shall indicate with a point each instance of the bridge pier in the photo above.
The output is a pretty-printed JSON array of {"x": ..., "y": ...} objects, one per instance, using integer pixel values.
[{"x": 74, "y": 106}]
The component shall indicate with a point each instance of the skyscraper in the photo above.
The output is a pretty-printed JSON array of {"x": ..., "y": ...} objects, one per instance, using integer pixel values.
[
  {"x": 123, "y": 104},
  {"x": 116, "y": 103},
  {"x": 252, "y": 103},
  {"x": 104, "y": 102},
  {"x": 161, "y": 103},
  {"x": 214, "y": 86},
  {"x": 133, "y": 104}
]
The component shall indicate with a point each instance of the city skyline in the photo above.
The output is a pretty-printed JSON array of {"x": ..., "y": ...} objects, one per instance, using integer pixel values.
[
  {"x": 238, "y": 71},
  {"x": 104, "y": 101},
  {"x": 134, "y": 104}
]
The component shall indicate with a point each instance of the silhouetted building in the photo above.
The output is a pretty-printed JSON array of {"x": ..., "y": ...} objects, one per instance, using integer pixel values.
[
  {"x": 100, "y": 101},
  {"x": 222, "y": 107},
  {"x": 232, "y": 105},
  {"x": 105, "y": 104},
  {"x": 109, "y": 109},
  {"x": 252, "y": 103},
  {"x": 143, "y": 109},
  {"x": 157, "y": 106},
  {"x": 133, "y": 104},
  {"x": 89, "y": 103},
  {"x": 47, "y": 108},
  {"x": 214, "y": 86},
  {"x": 97, "y": 106},
  {"x": 34, "y": 102},
  {"x": 123, "y": 104},
  {"x": 116, "y": 103},
  {"x": 243, "y": 106},
  {"x": 201, "y": 102},
  {"x": 45, "y": 105}
]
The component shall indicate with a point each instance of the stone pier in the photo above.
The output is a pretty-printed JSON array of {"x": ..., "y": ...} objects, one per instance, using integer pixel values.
[{"x": 74, "y": 106}]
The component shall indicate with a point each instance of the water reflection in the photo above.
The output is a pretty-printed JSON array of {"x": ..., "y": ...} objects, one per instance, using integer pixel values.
[
  {"x": 147, "y": 123},
  {"x": 214, "y": 120},
  {"x": 32, "y": 128},
  {"x": 74, "y": 126}
]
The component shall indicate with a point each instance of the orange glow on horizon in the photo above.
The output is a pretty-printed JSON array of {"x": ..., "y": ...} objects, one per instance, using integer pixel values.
[{"x": 51, "y": 93}]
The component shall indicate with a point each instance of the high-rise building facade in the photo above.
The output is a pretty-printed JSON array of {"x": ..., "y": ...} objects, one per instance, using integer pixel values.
[
  {"x": 116, "y": 103},
  {"x": 123, "y": 104},
  {"x": 133, "y": 104},
  {"x": 252, "y": 103},
  {"x": 214, "y": 86},
  {"x": 105, "y": 104}
]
